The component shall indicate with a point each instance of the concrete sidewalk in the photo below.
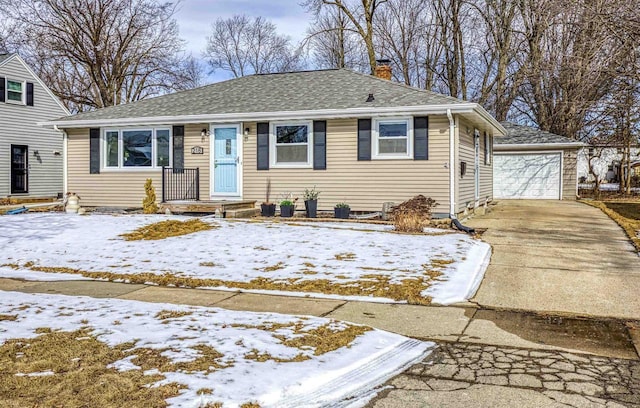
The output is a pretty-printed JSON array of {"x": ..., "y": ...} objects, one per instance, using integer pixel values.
[
  {"x": 450, "y": 324},
  {"x": 558, "y": 257}
]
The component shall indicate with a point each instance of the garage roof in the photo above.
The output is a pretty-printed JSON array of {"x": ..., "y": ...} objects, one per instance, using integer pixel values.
[{"x": 526, "y": 137}]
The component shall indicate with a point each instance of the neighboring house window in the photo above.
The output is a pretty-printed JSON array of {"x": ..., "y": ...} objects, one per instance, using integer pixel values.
[
  {"x": 146, "y": 148},
  {"x": 15, "y": 91},
  {"x": 292, "y": 144},
  {"x": 392, "y": 139}
]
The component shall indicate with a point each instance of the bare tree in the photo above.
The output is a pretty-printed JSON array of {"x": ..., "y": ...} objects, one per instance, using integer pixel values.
[
  {"x": 571, "y": 61},
  {"x": 97, "y": 53},
  {"x": 361, "y": 15},
  {"x": 497, "y": 74},
  {"x": 245, "y": 46},
  {"x": 334, "y": 42},
  {"x": 403, "y": 34}
]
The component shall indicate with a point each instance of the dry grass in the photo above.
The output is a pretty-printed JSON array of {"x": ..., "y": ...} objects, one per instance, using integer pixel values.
[
  {"x": 10, "y": 318},
  {"x": 81, "y": 378},
  {"x": 255, "y": 355},
  {"x": 208, "y": 361},
  {"x": 324, "y": 339},
  {"x": 272, "y": 268},
  {"x": 345, "y": 256},
  {"x": 630, "y": 225},
  {"x": 408, "y": 290},
  {"x": 167, "y": 229},
  {"x": 171, "y": 314}
]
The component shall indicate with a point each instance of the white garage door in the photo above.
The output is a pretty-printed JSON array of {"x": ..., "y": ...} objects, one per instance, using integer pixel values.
[{"x": 527, "y": 175}]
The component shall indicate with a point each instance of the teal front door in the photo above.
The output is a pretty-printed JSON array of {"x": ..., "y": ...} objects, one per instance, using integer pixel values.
[{"x": 225, "y": 161}]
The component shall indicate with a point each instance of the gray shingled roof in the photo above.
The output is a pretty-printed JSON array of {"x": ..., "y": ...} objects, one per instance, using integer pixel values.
[
  {"x": 519, "y": 134},
  {"x": 292, "y": 91}
]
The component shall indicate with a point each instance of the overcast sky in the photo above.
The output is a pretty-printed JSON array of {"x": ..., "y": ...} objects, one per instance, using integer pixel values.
[{"x": 196, "y": 16}]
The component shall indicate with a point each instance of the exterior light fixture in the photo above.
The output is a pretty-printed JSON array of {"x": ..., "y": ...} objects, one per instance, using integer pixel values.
[{"x": 204, "y": 134}]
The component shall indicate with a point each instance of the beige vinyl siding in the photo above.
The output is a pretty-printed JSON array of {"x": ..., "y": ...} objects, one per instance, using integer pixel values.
[
  {"x": 466, "y": 153},
  {"x": 465, "y": 194},
  {"x": 19, "y": 127},
  {"x": 365, "y": 185},
  {"x": 569, "y": 174},
  {"x": 486, "y": 171},
  {"x": 125, "y": 188},
  {"x": 193, "y": 137},
  {"x": 109, "y": 188}
]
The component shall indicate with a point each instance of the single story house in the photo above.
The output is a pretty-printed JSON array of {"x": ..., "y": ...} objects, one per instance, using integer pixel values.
[
  {"x": 604, "y": 161},
  {"x": 31, "y": 161},
  {"x": 357, "y": 138},
  {"x": 533, "y": 164}
]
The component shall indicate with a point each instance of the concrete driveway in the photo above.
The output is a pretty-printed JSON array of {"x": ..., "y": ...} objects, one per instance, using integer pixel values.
[{"x": 558, "y": 256}]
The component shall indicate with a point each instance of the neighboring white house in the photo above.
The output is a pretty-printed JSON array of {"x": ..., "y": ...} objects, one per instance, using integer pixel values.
[
  {"x": 605, "y": 162},
  {"x": 31, "y": 162}
]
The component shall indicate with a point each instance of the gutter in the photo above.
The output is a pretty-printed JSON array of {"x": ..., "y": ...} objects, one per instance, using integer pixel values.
[
  {"x": 534, "y": 146},
  {"x": 440, "y": 109},
  {"x": 65, "y": 164},
  {"x": 452, "y": 167}
]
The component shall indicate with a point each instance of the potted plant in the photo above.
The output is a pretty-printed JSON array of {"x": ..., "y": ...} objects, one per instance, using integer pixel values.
[
  {"x": 341, "y": 210},
  {"x": 268, "y": 209},
  {"x": 287, "y": 207},
  {"x": 311, "y": 201}
]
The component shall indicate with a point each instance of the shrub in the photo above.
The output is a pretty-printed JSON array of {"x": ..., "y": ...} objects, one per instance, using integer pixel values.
[
  {"x": 413, "y": 215},
  {"x": 149, "y": 205}
]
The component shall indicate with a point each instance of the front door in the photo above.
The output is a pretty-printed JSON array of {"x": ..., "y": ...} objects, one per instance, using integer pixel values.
[
  {"x": 19, "y": 169},
  {"x": 226, "y": 160}
]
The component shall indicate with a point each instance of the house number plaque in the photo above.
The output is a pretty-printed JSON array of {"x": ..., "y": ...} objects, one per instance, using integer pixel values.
[{"x": 197, "y": 150}]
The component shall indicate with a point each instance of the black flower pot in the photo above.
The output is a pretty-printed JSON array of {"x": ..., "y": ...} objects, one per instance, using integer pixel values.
[
  {"x": 312, "y": 208},
  {"x": 268, "y": 210},
  {"x": 341, "y": 212},
  {"x": 286, "y": 211}
]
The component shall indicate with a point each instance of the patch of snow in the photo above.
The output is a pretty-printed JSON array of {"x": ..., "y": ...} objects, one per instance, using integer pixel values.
[
  {"x": 336, "y": 378},
  {"x": 37, "y": 374},
  {"x": 241, "y": 251}
]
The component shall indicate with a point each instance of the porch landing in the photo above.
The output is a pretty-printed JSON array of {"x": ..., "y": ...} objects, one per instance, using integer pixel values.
[{"x": 228, "y": 208}]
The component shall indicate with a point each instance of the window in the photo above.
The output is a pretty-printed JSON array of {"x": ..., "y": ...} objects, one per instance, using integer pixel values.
[
  {"x": 15, "y": 91},
  {"x": 144, "y": 148},
  {"x": 392, "y": 139},
  {"x": 111, "y": 145},
  {"x": 162, "y": 147},
  {"x": 292, "y": 144}
]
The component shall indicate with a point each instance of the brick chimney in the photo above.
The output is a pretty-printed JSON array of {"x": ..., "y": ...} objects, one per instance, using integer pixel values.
[{"x": 383, "y": 69}]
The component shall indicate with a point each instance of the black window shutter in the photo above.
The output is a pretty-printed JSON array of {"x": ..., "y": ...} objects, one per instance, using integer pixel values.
[
  {"x": 2, "y": 88},
  {"x": 421, "y": 138},
  {"x": 29, "y": 94},
  {"x": 94, "y": 151},
  {"x": 178, "y": 147},
  {"x": 319, "y": 145},
  {"x": 364, "y": 139},
  {"x": 263, "y": 146}
]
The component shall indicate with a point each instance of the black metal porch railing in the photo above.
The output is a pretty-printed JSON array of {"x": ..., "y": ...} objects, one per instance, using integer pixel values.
[{"x": 180, "y": 184}]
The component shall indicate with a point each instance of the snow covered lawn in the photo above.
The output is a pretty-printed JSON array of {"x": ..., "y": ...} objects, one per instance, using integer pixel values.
[
  {"x": 337, "y": 260},
  {"x": 73, "y": 351}
]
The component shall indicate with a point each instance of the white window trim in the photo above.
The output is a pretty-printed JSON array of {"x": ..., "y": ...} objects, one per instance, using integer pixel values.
[
  {"x": 23, "y": 96},
  {"x": 272, "y": 145},
  {"x": 376, "y": 155},
  {"x": 154, "y": 149}
]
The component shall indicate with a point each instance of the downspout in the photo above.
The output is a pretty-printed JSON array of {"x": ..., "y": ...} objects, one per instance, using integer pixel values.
[
  {"x": 65, "y": 185},
  {"x": 452, "y": 167}
]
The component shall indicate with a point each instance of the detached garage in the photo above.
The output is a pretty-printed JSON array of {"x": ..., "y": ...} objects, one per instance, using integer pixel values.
[{"x": 533, "y": 164}]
